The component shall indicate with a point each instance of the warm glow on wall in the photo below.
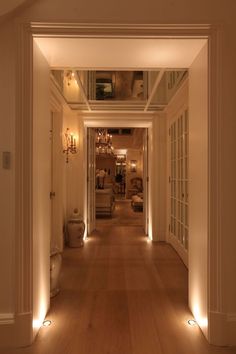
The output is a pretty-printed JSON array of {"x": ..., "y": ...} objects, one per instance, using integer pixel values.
[
  {"x": 201, "y": 320},
  {"x": 133, "y": 165},
  {"x": 37, "y": 322}
]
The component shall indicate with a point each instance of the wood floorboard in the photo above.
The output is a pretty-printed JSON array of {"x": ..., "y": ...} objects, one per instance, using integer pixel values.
[{"x": 121, "y": 295}]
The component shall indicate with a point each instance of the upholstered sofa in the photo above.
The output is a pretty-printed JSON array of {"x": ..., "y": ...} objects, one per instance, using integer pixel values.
[
  {"x": 105, "y": 201},
  {"x": 137, "y": 202},
  {"x": 136, "y": 186}
]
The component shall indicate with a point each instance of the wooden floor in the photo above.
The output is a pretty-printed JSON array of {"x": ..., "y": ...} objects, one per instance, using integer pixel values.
[
  {"x": 123, "y": 214},
  {"x": 121, "y": 295}
]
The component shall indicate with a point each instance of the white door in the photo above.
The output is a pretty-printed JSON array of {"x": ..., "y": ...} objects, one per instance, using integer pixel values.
[
  {"x": 145, "y": 180},
  {"x": 91, "y": 179},
  {"x": 178, "y": 179},
  {"x": 56, "y": 193}
]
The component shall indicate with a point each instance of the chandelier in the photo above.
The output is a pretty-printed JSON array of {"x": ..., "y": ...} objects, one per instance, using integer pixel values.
[{"x": 103, "y": 142}]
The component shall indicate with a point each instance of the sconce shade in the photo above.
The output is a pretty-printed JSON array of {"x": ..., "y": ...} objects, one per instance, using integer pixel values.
[
  {"x": 133, "y": 165},
  {"x": 70, "y": 144}
]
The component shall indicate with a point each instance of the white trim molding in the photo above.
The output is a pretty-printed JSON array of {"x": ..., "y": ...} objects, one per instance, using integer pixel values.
[
  {"x": 24, "y": 147},
  {"x": 24, "y": 251},
  {"x": 15, "y": 331},
  {"x": 224, "y": 328},
  {"x": 6, "y": 318},
  {"x": 179, "y": 248}
]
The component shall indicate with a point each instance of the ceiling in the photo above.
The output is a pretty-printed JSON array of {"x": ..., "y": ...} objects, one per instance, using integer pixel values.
[
  {"x": 118, "y": 53},
  {"x": 147, "y": 54},
  {"x": 9, "y": 5},
  {"x": 134, "y": 141}
]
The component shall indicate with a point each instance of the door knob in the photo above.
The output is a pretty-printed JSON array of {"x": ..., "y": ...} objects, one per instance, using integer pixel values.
[{"x": 52, "y": 195}]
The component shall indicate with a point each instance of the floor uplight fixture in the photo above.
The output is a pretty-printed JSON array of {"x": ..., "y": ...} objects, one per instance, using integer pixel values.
[
  {"x": 192, "y": 322},
  {"x": 47, "y": 323}
]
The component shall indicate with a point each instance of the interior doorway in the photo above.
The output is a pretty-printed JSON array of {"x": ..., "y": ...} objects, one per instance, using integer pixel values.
[
  {"x": 199, "y": 289},
  {"x": 118, "y": 176}
]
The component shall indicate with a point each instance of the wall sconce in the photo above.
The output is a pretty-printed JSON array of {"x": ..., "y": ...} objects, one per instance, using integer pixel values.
[
  {"x": 70, "y": 144},
  {"x": 133, "y": 165}
]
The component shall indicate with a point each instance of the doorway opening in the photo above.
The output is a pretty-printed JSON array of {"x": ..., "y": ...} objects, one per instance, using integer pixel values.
[
  {"x": 118, "y": 170},
  {"x": 119, "y": 180},
  {"x": 198, "y": 288}
]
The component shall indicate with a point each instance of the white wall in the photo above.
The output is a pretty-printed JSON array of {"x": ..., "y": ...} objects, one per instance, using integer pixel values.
[
  {"x": 41, "y": 188},
  {"x": 159, "y": 177},
  {"x": 227, "y": 175},
  {"x": 198, "y": 189},
  {"x": 74, "y": 169},
  {"x": 7, "y": 176}
]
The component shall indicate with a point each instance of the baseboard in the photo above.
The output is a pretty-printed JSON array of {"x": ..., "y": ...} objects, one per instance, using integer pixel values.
[
  {"x": 179, "y": 248},
  {"x": 222, "y": 329},
  {"x": 16, "y": 331},
  {"x": 6, "y": 318},
  {"x": 159, "y": 236},
  {"x": 231, "y": 329}
]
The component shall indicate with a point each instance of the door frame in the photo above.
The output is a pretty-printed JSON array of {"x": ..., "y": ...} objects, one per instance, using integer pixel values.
[
  {"x": 121, "y": 120},
  {"x": 23, "y": 155}
]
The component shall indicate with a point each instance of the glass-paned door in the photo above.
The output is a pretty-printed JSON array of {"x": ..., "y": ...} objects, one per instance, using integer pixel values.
[
  {"x": 91, "y": 179},
  {"x": 179, "y": 153}
]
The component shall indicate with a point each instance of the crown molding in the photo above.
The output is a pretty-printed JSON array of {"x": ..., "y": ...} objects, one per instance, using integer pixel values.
[{"x": 106, "y": 30}]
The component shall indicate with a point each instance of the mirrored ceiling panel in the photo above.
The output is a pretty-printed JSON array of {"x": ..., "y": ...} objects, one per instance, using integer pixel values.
[{"x": 118, "y": 90}]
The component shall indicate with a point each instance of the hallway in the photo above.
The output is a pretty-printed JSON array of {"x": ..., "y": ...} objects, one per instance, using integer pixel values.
[
  {"x": 123, "y": 214},
  {"x": 121, "y": 295}
]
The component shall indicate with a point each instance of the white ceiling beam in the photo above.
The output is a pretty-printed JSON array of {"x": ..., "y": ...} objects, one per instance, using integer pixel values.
[
  {"x": 82, "y": 90},
  {"x": 155, "y": 86}
]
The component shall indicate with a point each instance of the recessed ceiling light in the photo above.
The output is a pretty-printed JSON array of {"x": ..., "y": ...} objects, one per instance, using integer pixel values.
[
  {"x": 47, "y": 323},
  {"x": 192, "y": 322}
]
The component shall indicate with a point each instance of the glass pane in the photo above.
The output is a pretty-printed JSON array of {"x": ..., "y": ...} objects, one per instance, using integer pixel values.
[
  {"x": 181, "y": 125},
  {"x": 186, "y": 239},
  {"x": 182, "y": 190},
  {"x": 172, "y": 226},
  {"x": 186, "y": 167},
  {"x": 186, "y": 192},
  {"x": 179, "y": 210},
  {"x": 186, "y": 121},
  {"x": 179, "y": 231},
  {"x": 186, "y": 215},
  {"x": 181, "y": 146},
  {"x": 181, "y": 169},
  {"x": 182, "y": 212},
  {"x": 172, "y": 206},
  {"x": 179, "y": 190},
  {"x": 185, "y": 144},
  {"x": 182, "y": 235}
]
